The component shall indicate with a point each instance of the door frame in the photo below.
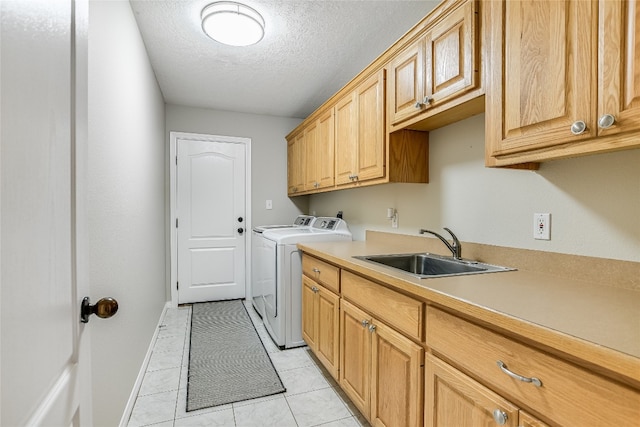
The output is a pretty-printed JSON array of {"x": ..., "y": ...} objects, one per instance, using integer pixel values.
[{"x": 173, "y": 208}]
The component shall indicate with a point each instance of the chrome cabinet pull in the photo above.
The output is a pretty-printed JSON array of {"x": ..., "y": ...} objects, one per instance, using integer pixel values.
[
  {"x": 535, "y": 381},
  {"x": 315, "y": 270},
  {"x": 372, "y": 328},
  {"x": 606, "y": 121},
  {"x": 500, "y": 417},
  {"x": 578, "y": 127},
  {"x": 365, "y": 323},
  {"x": 315, "y": 290}
]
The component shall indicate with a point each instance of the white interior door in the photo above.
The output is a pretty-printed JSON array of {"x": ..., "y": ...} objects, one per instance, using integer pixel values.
[
  {"x": 211, "y": 218},
  {"x": 44, "y": 363}
]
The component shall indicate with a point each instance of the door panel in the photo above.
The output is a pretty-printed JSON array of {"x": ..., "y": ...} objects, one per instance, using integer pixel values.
[
  {"x": 210, "y": 201},
  {"x": 44, "y": 346}
]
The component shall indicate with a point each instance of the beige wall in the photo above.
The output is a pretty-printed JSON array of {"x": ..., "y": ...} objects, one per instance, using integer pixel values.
[
  {"x": 594, "y": 201},
  {"x": 126, "y": 203}
]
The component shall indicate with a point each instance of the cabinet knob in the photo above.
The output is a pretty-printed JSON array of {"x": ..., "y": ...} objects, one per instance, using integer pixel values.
[
  {"x": 606, "y": 121},
  {"x": 500, "y": 417},
  {"x": 372, "y": 328},
  {"x": 578, "y": 127},
  {"x": 364, "y": 323},
  {"x": 428, "y": 100},
  {"x": 315, "y": 290},
  {"x": 418, "y": 105},
  {"x": 316, "y": 270}
]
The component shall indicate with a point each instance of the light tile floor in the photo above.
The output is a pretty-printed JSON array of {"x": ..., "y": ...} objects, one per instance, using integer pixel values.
[{"x": 312, "y": 398}]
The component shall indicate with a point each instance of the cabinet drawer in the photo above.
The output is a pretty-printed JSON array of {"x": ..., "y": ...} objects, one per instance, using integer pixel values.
[
  {"x": 397, "y": 310},
  {"x": 569, "y": 395},
  {"x": 324, "y": 273}
]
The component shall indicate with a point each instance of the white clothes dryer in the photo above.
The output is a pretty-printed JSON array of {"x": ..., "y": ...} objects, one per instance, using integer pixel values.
[
  {"x": 281, "y": 265},
  {"x": 258, "y": 259}
]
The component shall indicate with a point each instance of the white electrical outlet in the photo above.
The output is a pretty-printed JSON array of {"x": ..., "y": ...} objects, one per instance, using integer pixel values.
[
  {"x": 542, "y": 226},
  {"x": 269, "y": 204}
]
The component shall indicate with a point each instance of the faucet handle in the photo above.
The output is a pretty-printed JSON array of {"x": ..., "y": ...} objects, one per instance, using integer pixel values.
[{"x": 456, "y": 244}]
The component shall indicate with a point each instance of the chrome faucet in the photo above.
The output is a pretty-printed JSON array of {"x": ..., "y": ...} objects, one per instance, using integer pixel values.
[{"x": 455, "y": 248}]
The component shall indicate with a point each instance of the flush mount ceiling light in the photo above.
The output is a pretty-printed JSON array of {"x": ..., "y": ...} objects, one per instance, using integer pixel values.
[{"x": 232, "y": 23}]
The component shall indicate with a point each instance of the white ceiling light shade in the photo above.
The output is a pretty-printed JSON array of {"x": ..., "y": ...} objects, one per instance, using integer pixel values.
[{"x": 232, "y": 23}]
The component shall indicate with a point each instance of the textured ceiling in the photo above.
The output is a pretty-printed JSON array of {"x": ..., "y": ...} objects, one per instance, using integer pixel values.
[{"x": 311, "y": 49}]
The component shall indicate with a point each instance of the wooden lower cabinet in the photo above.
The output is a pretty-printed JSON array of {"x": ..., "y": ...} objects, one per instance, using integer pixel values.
[
  {"x": 454, "y": 399},
  {"x": 380, "y": 369},
  {"x": 320, "y": 323}
]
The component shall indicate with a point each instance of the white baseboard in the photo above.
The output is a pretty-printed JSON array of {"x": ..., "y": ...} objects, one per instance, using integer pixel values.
[{"x": 145, "y": 363}]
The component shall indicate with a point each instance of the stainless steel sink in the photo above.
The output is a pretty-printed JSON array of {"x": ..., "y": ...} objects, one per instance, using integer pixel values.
[{"x": 425, "y": 265}]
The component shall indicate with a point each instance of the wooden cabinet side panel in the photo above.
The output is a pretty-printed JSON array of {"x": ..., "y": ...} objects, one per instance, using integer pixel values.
[
  {"x": 409, "y": 156},
  {"x": 355, "y": 356},
  {"x": 396, "y": 371},
  {"x": 453, "y": 399}
]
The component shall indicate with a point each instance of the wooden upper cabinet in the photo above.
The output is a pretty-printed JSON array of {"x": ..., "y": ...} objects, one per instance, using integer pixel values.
[
  {"x": 371, "y": 128},
  {"x": 360, "y": 132},
  {"x": 295, "y": 165},
  {"x": 406, "y": 83},
  {"x": 311, "y": 142},
  {"x": 346, "y": 138},
  {"x": 437, "y": 68},
  {"x": 325, "y": 150},
  {"x": 558, "y": 70},
  {"x": 619, "y": 66},
  {"x": 319, "y": 153}
]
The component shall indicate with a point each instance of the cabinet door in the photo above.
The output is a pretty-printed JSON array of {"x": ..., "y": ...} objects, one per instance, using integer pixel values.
[
  {"x": 295, "y": 177},
  {"x": 542, "y": 74},
  {"x": 528, "y": 420},
  {"x": 396, "y": 376},
  {"x": 309, "y": 323},
  {"x": 619, "y": 66},
  {"x": 325, "y": 148},
  {"x": 406, "y": 83},
  {"x": 451, "y": 56},
  {"x": 371, "y": 128},
  {"x": 310, "y": 157},
  {"x": 454, "y": 399},
  {"x": 346, "y": 138},
  {"x": 327, "y": 308},
  {"x": 355, "y": 355}
]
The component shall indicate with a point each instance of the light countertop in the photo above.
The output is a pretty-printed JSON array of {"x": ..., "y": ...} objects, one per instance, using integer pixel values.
[{"x": 586, "y": 321}]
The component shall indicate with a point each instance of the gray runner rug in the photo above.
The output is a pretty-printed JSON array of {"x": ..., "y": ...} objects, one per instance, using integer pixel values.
[{"x": 227, "y": 361}]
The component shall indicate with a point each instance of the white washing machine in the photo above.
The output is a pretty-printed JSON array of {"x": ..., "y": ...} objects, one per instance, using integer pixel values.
[
  {"x": 260, "y": 274},
  {"x": 281, "y": 264}
]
